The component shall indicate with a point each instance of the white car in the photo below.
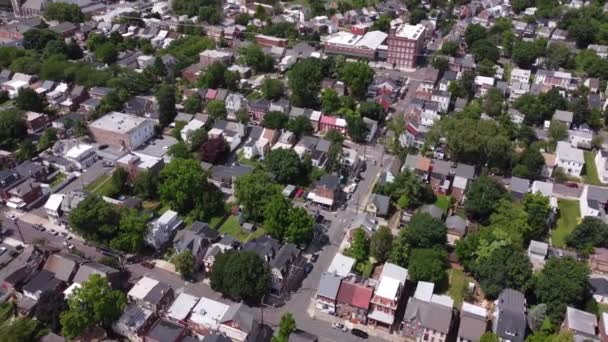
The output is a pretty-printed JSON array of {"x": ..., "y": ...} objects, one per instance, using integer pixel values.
[{"x": 339, "y": 326}]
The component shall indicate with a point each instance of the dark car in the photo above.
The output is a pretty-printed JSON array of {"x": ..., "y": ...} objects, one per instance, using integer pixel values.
[
  {"x": 359, "y": 333},
  {"x": 314, "y": 257},
  {"x": 572, "y": 185}
]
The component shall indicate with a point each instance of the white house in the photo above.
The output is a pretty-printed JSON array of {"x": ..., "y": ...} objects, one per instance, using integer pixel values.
[
  {"x": 190, "y": 128},
  {"x": 82, "y": 155},
  {"x": 234, "y": 102},
  {"x": 570, "y": 159},
  {"x": 53, "y": 208},
  {"x": 601, "y": 157},
  {"x": 161, "y": 230},
  {"x": 580, "y": 138},
  {"x": 520, "y": 75}
]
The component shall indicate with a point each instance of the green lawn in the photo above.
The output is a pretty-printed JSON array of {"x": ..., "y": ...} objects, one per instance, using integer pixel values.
[
  {"x": 458, "y": 285},
  {"x": 96, "y": 183},
  {"x": 568, "y": 219},
  {"x": 443, "y": 202},
  {"x": 100, "y": 186},
  {"x": 58, "y": 179},
  {"x": 231, "y": 227},
  {"x": 590, "y": 176}
]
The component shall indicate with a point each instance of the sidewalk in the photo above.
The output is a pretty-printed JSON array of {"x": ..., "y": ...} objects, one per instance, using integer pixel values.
[
  {"x": 35, "y": 219},
  {"x": 372, "y": 331}
]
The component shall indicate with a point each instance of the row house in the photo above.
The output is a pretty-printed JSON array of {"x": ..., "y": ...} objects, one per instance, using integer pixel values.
[
  {"x": 151, "y": 294},
  {"x": 327, "y": 292},
  {"x": 327, "y": 123},
  {"x": 257, "y": 109},
  {"x": 387, "y": 297},
  {"x": 427, "y": 317},
  {"x": 353, "y": 301},
  {"x": 552, "y": 78}
]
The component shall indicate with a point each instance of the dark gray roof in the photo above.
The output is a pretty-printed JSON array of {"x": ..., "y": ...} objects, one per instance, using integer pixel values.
[
  {"x": 381, "y": 202},
  {"x": 215, "y": 338},
  {"x": 520, "y": 185},
  {"x": 264, "y": 246},
  {"x": 457, "y": 224},
  {"x": 157, "y": 293},
  {"x": 134, "y": 316},
  {"x": 432, "y": 210},
  {"x": 165, "y": 331},
  {"x": 86, "y": 270},
  {"x": 597, "y": 197},
  {"x": 512, "y": 315},
  {"x": 430, "y": 315},
  {"x": 329, "y": 181},
  {"x": 465, "y": 171},
  {"x": 29, "y": 168},
  {"x": 241, "y": 314},
  {"x": 42, "y": 281},
  {"x": 287, "y": 251},
  {"x": 226, "y": 173},
  {"x": 599, "y": 286},
  {"x": 471, "y": 326},
  {"x": 441, "y": 167},
  {"x": 204, "y": 229},
  {"x": 323, "y": 145},
  {"x": 329, "y": 284},
  {"x": 255, "y": 132}
]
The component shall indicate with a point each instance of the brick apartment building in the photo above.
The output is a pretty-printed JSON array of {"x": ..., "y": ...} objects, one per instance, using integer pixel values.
[
  {"x": 121, "y": 130},
  {"x": 405, "y": 43}
]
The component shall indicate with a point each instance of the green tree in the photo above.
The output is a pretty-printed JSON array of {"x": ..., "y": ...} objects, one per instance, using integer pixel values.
[
  {"x": 300, "y": 126},
  {"x": 383, "y": 23},
  {"x": 95, "y": 219},
  {"x": 61, "y": 12},
  {"x": 425, "y": 231},
  {"x": 440, "y": 63},
  {"x": 591, "y": 232},
  {"x": 272, "y": 89},
  {"x": 372, "y": 110},
  {"x": 493, "y": 102},
  {"x": 180, "y": 150},
  {"x": 284, "y": 164},
  {"x": 184, "y": 263},
  {"x": 49, "y": 308},
  {"x": 359, "y": 246},
  {"x": 276, "y": 218},
  {"x": 252, "y": 191},
  {"x": 483, "y": 197},
  {"x": 12, "y": 127},
  {"x": 275, "y": 120},
  {"x": 300, "y": 230},
  {"x": 532, "y": 162},
  {"x": 304, "y": 81},
  {"x": 145, "y": 185},
  {"x": 489, "y": 337},
  {"x": 558, "y": 131},
  {"x": 449, "y": 49},
  {"x": 193, "y": 104},
  {"x": 93, "y": 304},
  {"x": 524, "y": 54},
  {"x": 474, "y": 33},
  {"x": 539, "y": 211},
  {"x": 240, "y": 275},
  {"x": 216, "y": 76},
  {"x": 357, "y": 76},
  {"x": 330, "y": 101},
  {"x": 485, "y": 50},
  {"x": 47, "y": 139},
  {"x": 287, "y": 325},
  {"x": 28, "y": 99},
  {"x": 356, "y": 127},
  {"x": 106, "y": 53},
  {"x": 131, "y": 230},
  {"x": 21, "y": 330},
  {"x": 165, "y": 96},
  {"x": 242, "y": 19},
  {"x": 428, "y": 264},
  {"x": 562, "y": 282},
  {"x": 417, "y": 15},
  {"x": 37, "y": 39},
  {"x": 254, "y": 56},
  {"x": 407, "y": 190},
  {"x": 381, "y": 243},
  {"x": 118, "y": 182},
  {"x": 515, "y": 271},
  {"x": 216, "y": 109}
]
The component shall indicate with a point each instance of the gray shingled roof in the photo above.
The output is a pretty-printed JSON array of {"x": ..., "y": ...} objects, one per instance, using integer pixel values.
[{"x": 430, "y": 315}]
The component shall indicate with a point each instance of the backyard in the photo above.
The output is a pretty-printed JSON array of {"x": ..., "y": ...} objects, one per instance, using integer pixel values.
[
  {"x": 232, "y": 227},
  {"x": 458, "y": 285},
  {"x": 443, "y": 202},
  {"x": 568, "y": 219},
  {"x": 590, "y": 176},
  {"x": 99, "y": 186}
]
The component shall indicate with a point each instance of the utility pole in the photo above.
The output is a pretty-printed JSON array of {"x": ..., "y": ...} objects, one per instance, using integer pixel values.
[{"x": 16, "y": 222}]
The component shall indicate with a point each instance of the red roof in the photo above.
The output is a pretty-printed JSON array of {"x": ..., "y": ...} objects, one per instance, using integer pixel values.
[
  {"x": 355, "y": 295},
  {"x": 330, "y": 120},
  {"x": 211, "y": 94}
]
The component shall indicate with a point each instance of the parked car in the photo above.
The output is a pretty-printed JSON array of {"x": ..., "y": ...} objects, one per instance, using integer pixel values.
[
  {"x": 359, "y": 333},
  {"x": 572, "y": 185},
  {"x": 339, "y": 326},
  {"x": 314, "y": 257},
  {"x": 307, "y": 268}
]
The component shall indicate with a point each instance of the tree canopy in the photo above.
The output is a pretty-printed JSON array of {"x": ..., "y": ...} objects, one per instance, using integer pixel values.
[
  {"x": 428, "y": 264},
  {"x": 483, "y": 197},
  {"x": 62, "y": 12},
  {"x": 304, "y": 81},
  {"x": 240, "y": 275}
]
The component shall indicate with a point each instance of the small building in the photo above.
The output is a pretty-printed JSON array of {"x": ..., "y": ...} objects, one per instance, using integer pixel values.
[
  {"x": 53, "y": 208},
  {"x": 537, "y": 253},
  {"x": 181, "y": 307},
  {"x": 206, "y": 316},
  {"x": 341, "y": 265},
  {"x": 165, "y": 331},
  {"x": 387, "y": 298},
  {"x": 161, "y": 230},
  {"x": 570, "y": 159},
  {"x": 564, "y": 117},
  {"x": 134, "y": 323},
  {"x": 151, "y": 294},
  {"x": 510, "y": 316},
  {"x": 581, "y": 324},
  {"x": 35, "y": 121},
  {"x": 519, "y": 187},
  {"x": 378, "y": 205},
  {"x": 427, "y": 314},
  {"x": 325, "y": 191},
  {"x": 87, "y": 269},
  {"x": 41, "y": 282},
  {"x": 197, "y": 240},
  {"x": 457, "y": 229},
  {"x": 327, "y": 292},
  {"x": 239, "y": 322},
  {"x": 353, "y": 300},
  {"x": 24, "y": 194},
  {"x": 473, "y": 322}
]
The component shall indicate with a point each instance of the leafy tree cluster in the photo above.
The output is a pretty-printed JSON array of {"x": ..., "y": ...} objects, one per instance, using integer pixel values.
[
  {"x": 186, "y": 49},
  {"x": 12, "y": 128},
  {"x": 253, "y": 191},
  {"x": 93, "y": 304},
  {"x": 254, "y": 56},
  {"x": 101, "y": 222},
  {"x": 63, "y": 12},
  {"x": 304, "y": 80},
  {"x": 591, "y": 232},
  {"x": 214, "y": 150},
  {"x": 184, "y": 263},
  {"x": 539, "y": 108},
  {"x": 407, "y": 190},
  {"x": 207, "y": 10},
  {"x": 286, "y": 165},
  {"x": 241, "y": 275},
  {"x": 217, "y": 75},
  {"x": 357, "y": 76},
  {"x": 287, "y": 223}
]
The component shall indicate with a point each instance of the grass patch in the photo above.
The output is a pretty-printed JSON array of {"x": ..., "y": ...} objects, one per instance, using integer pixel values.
[
  {"x": 602, "y": 308},
  {"x": 443, "y": 202},
  {"x": 458, "y": 286},
  {"x": 58, "y": 179},
  {"x": 232, "y": 227},
  {"x": 568, "y": 219},
  {"x": 92, "y": 187},
  {"x": 149, "y": 205},
  {"x": 590, "y": 176}
]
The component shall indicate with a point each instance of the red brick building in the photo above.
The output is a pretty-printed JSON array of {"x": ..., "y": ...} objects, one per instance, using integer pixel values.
[
  {"x": 268, "y": 41},
  {"x": 353, "y": 301},
  {"x": 405, "y": 43}
]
